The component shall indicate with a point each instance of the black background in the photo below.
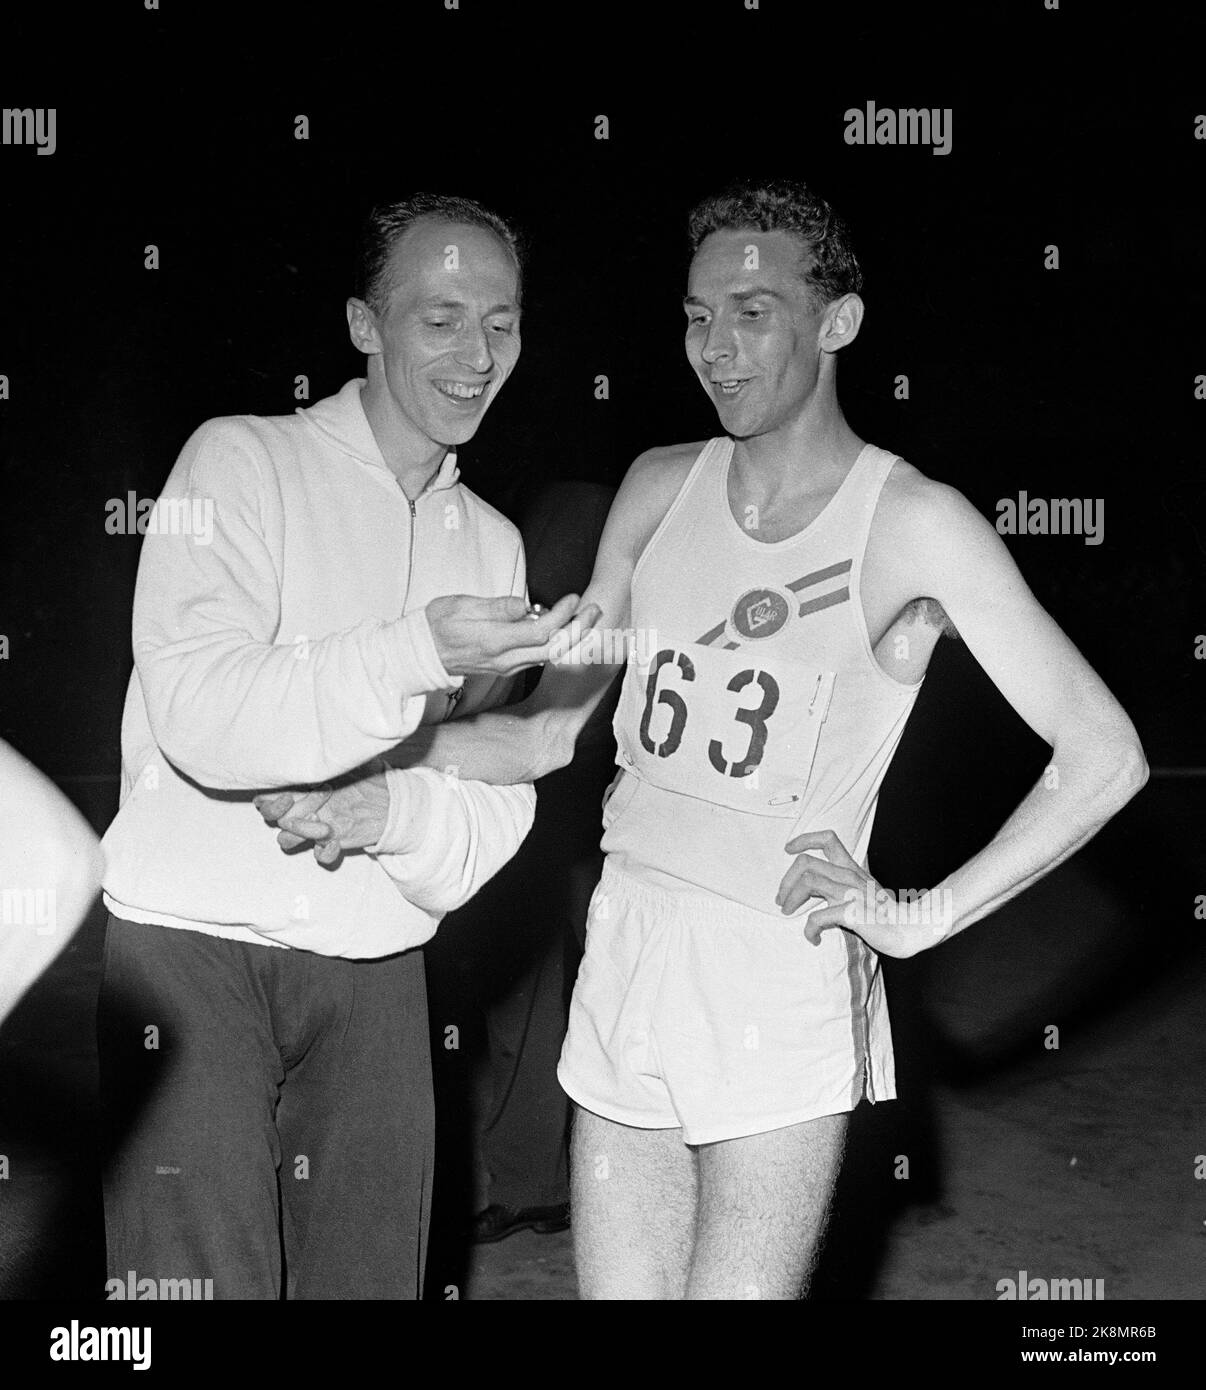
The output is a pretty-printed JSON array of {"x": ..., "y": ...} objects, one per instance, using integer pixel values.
[{"x": 1072, "y": 127}]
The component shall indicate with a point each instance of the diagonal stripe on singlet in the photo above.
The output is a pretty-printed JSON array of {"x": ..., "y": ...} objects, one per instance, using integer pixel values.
[
  {"x": 829, "y": 572},
  {"x": 814, "y": 605},
  {"x": 808, "y": 606}
]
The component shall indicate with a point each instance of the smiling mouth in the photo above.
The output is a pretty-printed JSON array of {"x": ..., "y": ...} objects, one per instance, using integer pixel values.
[
  {"x": 460, "y": 391},
  {"x": 731, "y": 388}
]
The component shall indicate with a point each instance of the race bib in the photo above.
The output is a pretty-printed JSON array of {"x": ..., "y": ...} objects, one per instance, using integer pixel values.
[{"x": 736, "y": 728}]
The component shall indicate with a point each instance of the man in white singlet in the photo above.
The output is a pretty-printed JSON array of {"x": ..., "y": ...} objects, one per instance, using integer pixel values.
[{"x": 783, "y": 586}]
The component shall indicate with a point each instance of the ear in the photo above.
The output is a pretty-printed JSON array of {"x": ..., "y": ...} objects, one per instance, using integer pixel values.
[
  {"x": 362, "y": 327},
  {"x": 840, "y": 323}
]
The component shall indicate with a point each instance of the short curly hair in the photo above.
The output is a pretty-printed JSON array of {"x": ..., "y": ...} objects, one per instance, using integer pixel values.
[
  {"x": 831, "y": 267},
  {"x": 388, "y": 222}
]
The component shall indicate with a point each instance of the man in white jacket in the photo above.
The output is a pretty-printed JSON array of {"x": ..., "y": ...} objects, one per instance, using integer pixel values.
[{"x": 302, "y": 606}]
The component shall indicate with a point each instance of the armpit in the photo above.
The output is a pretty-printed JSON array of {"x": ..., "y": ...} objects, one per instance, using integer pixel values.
[{"x": 932, "y": 613}]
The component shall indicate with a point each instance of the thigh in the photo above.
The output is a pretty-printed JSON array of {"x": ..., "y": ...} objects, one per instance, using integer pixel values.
[
  {"x": 633, "y": 1194},
  {"x": 356, "y": 1123},
  {"x": 189, "y": 1078},
  {"x": 763, "y": 1203}
]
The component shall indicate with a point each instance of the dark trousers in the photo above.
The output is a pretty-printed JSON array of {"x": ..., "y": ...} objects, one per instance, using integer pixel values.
[
  {"x": 525, "y": 1127},
  {"x": 523, "y": 1138},
  {"x": 268, "y": 1114}
]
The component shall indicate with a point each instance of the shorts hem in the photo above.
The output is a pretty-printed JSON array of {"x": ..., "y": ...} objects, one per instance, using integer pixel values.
[
  {"x": 633, "y": 1119},
  {"x": 720, "y": 1132},
  {"x": 746, "y": 1129}
]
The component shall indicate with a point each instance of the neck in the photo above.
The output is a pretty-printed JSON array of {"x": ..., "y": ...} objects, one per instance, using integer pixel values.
[
  {"x": 409, "y": 455},
  {"x": 803, "y": 453}
]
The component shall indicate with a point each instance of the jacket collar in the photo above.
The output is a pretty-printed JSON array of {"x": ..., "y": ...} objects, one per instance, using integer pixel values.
[{"x": 342, "y": 420}]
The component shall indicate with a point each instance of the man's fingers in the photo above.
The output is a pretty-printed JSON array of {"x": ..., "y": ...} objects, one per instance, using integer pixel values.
[
  {"x": 826, "y": 841},
  {"x": 541, "y": 627},
  {"x": 817, "y": 875},
  {"x": 273, "y": 805},
  {"x": 834, "y": 889},
  {"x": 505, "y": 608},
  {"x": 297, "y": 821},
  {"x": 300, "y": 818},
  {"x": 586, "y": 619},
  {"x": 522, "y": 638},
  {"x": 326, "y": 850},
  {"x": 566, "y": 644},
  {"x": 503, "y": 635},
  {"x": 317, "y": 830},
  {"x": 307, "y": 807},
  {"x": 822, "y": 919}
]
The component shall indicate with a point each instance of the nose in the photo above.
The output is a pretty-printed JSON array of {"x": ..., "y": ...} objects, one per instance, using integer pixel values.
[
  {"x": 718, "y": 344},
  {"x": 473, "y": 349}
]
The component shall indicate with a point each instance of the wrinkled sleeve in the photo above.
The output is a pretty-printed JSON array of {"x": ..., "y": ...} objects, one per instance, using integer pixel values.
[
  {"x": 447, "y": 836},
  {"x": 227, "y": 706}
]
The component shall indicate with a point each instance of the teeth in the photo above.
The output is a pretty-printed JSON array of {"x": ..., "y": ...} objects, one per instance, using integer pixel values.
[{"x": 455, "y": 388}]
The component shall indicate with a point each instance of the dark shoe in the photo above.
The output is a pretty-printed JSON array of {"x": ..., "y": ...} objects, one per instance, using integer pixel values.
[{"x": 498, "y": 1222}]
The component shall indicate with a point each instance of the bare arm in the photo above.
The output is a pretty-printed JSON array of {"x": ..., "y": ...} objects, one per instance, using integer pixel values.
[
  {"x": 526, "y": 741},
  {"x": 1097, "y": 763}
]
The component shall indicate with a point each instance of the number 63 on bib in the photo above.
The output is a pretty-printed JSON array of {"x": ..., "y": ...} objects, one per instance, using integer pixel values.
[{"x": 728, "y": 727}]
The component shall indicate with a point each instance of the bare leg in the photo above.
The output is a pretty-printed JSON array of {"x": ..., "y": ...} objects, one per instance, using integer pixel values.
[
  {"x": 634, "y": 1195},
  {"x": 763, "y": 1202}
]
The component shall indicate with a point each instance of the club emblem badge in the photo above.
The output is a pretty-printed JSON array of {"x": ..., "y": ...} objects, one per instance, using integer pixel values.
[{"x": 760, "y": 613}]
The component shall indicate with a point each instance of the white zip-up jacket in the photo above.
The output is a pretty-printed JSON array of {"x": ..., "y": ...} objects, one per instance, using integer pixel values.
[{"x": 280, "y": 640}]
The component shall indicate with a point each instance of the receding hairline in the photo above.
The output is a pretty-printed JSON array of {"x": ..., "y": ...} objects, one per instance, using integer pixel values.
[{"x": 435, "y": 217}]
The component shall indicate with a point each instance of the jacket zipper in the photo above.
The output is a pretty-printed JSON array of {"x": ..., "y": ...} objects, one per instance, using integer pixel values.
[
  {"x": 453, "y": 696},
  {"x": 410, "y": 558}
]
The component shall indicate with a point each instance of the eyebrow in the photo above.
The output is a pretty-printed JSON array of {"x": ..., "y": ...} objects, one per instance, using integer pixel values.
[
  {"x": 739, "y": 296},
  {"x": 460, "y": 304}
]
